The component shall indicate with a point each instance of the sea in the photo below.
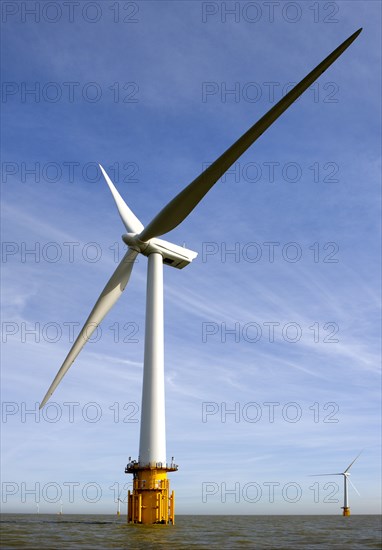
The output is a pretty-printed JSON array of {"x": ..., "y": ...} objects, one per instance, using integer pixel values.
[{"x": 96, "y": 531}]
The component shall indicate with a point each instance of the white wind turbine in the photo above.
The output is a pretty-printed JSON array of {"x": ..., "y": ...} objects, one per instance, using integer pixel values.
[
  {"x": 143, "y": 240},
  {"x": 119, "y": 500},
  {"x": 346, "y": 474}
]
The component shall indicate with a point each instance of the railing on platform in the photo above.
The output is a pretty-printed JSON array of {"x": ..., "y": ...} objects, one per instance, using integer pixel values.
[{"x": 134, "y": 466}]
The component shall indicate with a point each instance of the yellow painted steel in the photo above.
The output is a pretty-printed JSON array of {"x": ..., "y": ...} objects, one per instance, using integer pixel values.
[
  {"x": 346, "y": 511},
  {"x": 150, "y": 501}
]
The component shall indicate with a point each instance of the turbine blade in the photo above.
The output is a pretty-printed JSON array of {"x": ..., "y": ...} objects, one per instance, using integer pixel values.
[
  {"x": 354, "y": 487},
  {"x": 105, "y": 302},
  {"x": 316, "y": 475},
  {"x": 129, "y": 219},
  {"x": 351, "y": 464},
  {"x": 181, "y": 206}
]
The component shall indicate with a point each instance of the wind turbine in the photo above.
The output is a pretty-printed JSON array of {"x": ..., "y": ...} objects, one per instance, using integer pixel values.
[
  {"x": 346, "y": 474},
  {"x": 119, "y": 504},
  {"x": 150, "y": 501}
]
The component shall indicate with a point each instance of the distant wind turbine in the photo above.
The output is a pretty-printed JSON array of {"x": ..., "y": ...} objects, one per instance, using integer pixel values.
[
  {"x": 119, "y": 504},
  {"x": 151, "y": 501},
  {"x": 346, "y": 474}
]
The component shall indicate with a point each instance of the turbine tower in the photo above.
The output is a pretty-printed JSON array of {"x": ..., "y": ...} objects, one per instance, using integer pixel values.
[
  {"x": 346, "y": 474},
  {"x": 151, "y": 501}
]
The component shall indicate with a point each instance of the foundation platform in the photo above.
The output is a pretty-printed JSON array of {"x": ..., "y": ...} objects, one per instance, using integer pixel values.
[{"x": 151, "y": 501}]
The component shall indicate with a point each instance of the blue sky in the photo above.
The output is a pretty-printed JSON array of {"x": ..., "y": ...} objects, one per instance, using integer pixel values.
[{"x": 143, "y": 90}]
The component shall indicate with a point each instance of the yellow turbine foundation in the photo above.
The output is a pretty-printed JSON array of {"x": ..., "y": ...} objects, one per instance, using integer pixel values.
[
  {"x": 151, "y": 501},
  {"x": 346, "y": 511}
]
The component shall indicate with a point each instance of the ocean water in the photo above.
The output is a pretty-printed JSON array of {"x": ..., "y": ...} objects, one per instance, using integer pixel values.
[{"x": 231, "y": 532}]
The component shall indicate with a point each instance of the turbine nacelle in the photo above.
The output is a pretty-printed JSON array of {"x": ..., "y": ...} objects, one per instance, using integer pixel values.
[{"x": 172, "y": 254}]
